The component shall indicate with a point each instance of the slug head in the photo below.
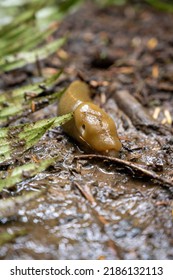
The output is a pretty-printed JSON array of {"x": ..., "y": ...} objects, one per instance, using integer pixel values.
[{"x": 96, "y": 128}]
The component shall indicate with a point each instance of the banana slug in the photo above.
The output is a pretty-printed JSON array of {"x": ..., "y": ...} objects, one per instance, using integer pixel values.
[{"x": 90, "y": 125}]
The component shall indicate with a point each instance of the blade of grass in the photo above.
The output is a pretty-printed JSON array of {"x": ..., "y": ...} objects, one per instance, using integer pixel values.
[
  {"x": 25, "y": 41},
  {"x": 19, "y": 20},
  {"x": 12, "y": 62},
  {"x": 15, "y": 140},
  {"x": 22, "y": 172},
  {"x": 23, "y": 15},
  {"x": 21, "y": 92},
  {"x": 16, "y": 109}
]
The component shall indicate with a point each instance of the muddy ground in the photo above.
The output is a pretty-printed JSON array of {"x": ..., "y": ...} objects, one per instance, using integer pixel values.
[{"x": 96, "y": 207}]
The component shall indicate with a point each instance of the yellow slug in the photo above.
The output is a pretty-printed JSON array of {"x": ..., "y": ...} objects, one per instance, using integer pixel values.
[{"x": 90, "y": 125}]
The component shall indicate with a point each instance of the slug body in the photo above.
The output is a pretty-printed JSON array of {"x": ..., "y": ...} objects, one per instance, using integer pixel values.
[{"x": 90, "y": 125}]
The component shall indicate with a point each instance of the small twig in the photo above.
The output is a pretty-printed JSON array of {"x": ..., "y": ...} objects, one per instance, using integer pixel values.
[
  {"x": 38, "y": 66},
  {"x": 88, "y": 195},
  {"x": 138, "y": 115},
  {"x": 127, "y": 164}
]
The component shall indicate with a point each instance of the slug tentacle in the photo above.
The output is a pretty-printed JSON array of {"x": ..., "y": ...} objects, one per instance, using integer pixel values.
[{"x": 90, "y": 125}]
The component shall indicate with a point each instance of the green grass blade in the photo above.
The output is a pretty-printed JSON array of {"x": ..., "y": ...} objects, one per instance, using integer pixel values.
[
  {"x": 18, "y": 103},
  {"x": 12, "y": 62},
  {"x": 22, "y": 92},
  {"x": 25, "y": 41},
  {"x": 14, "y": 141},
  {"x": 18, "y": 174},
  {"x": 23, "y": 15},
  {"x": 16, "y": 110}
]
